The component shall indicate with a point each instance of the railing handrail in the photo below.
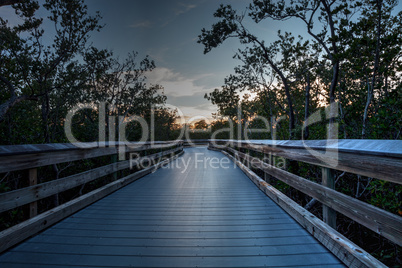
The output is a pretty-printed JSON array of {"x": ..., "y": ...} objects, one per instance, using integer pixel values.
[
  {"x": 20, "y": 157},
  {"x": 391, "y": 148},
  {"x": 384, "y": 165},
  {"x": 6, "y": 150},
  {"x": 370, "y": 147}
]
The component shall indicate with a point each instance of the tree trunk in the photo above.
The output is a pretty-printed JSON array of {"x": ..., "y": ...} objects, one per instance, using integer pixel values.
[
  {"x": 332, "y": 133},
  {"x": 306, "y": 107},
  {"x": 13, "y": 100},
  {"x": 285, "y": 84},
  {"x": 333, "y": 109},
  {"x": 269, "y": 111},
  {"x": 45, "y": 117},
  {"x": 370, "y": 86}
]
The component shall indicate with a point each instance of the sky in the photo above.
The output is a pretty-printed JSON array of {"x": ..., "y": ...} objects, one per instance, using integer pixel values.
[{"x": 167, "y": 31}]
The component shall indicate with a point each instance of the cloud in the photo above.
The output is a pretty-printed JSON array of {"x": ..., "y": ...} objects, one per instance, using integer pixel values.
[
  {"x": 185, "y": 93},
  {"x": 184, "y": 8},
  {"x": 188, "y": 101},
  {"x": 161, "y": 74},
  {"x": 192, "y": 114},
  {"x": 179, "y": 9},
  {"x": 176, "y": 84},
  {"x": 142, "y": 24},
  {"x": 208, "y": 81}
]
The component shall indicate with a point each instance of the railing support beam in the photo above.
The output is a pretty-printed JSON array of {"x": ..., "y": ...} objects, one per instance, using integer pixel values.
[
  {"x": 33, "y": 180},
  {"x": 268, "y": 159},
  {"x": 328, "y": 214}
]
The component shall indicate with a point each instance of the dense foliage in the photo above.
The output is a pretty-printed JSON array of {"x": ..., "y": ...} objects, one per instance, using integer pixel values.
[
  {"x": 43, "y": 76},
  {"x": 349, "y": 55}
]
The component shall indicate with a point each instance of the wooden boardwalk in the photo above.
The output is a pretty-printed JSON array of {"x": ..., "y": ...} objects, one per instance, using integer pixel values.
[{"x": 199, "y": 216}]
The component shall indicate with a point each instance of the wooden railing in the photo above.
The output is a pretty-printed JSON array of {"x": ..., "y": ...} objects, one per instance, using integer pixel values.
[
  {"x": 31, "y": 157},
  {"x": 376, "y": 159},
  {"x": 373, "y": 158}
]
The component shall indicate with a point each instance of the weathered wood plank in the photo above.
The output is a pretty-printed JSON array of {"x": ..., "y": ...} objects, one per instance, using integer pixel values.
[
  {"x": 328, "y": 214},
  {"x": 33, "y": 180},
  {"x": 367, "y": 147},
  {"x": 380, "y": 221},
  {"x": 268, "y": 159},
  {"x": 52, "y": 147},
  {"x": 20, "y": 157},
  {"x": 382, "y": 167},
  {"x": 348, "y": 252},
  {"x": 13, "y": 199},
  {"x": 27, "y": 161},
  {"x": 42, "y": 148},
  {"x": 22, "y": 231}
]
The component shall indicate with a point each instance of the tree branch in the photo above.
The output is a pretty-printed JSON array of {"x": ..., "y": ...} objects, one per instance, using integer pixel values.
[
  {"x": 13, "y": 100},
  {"x": 9, "y": 2}
]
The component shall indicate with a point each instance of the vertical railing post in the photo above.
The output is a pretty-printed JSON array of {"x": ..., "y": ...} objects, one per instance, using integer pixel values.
[
  {"x": 268, "y": 157},
  {"x": 145, "y": 151},
  {"x": 247, "y": 151},
  {"x": 328, "y": 214},
  {"x": 33, "y": 180}
]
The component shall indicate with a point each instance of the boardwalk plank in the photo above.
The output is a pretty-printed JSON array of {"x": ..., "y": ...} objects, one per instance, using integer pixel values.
[
  {"x": 183, "y": 228},
  {"x": 173, "y": 261},
  {"x": 171, "y": 251},
  {"x": 176, "y": 242},
  {"x": 178, "y": 233}
]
